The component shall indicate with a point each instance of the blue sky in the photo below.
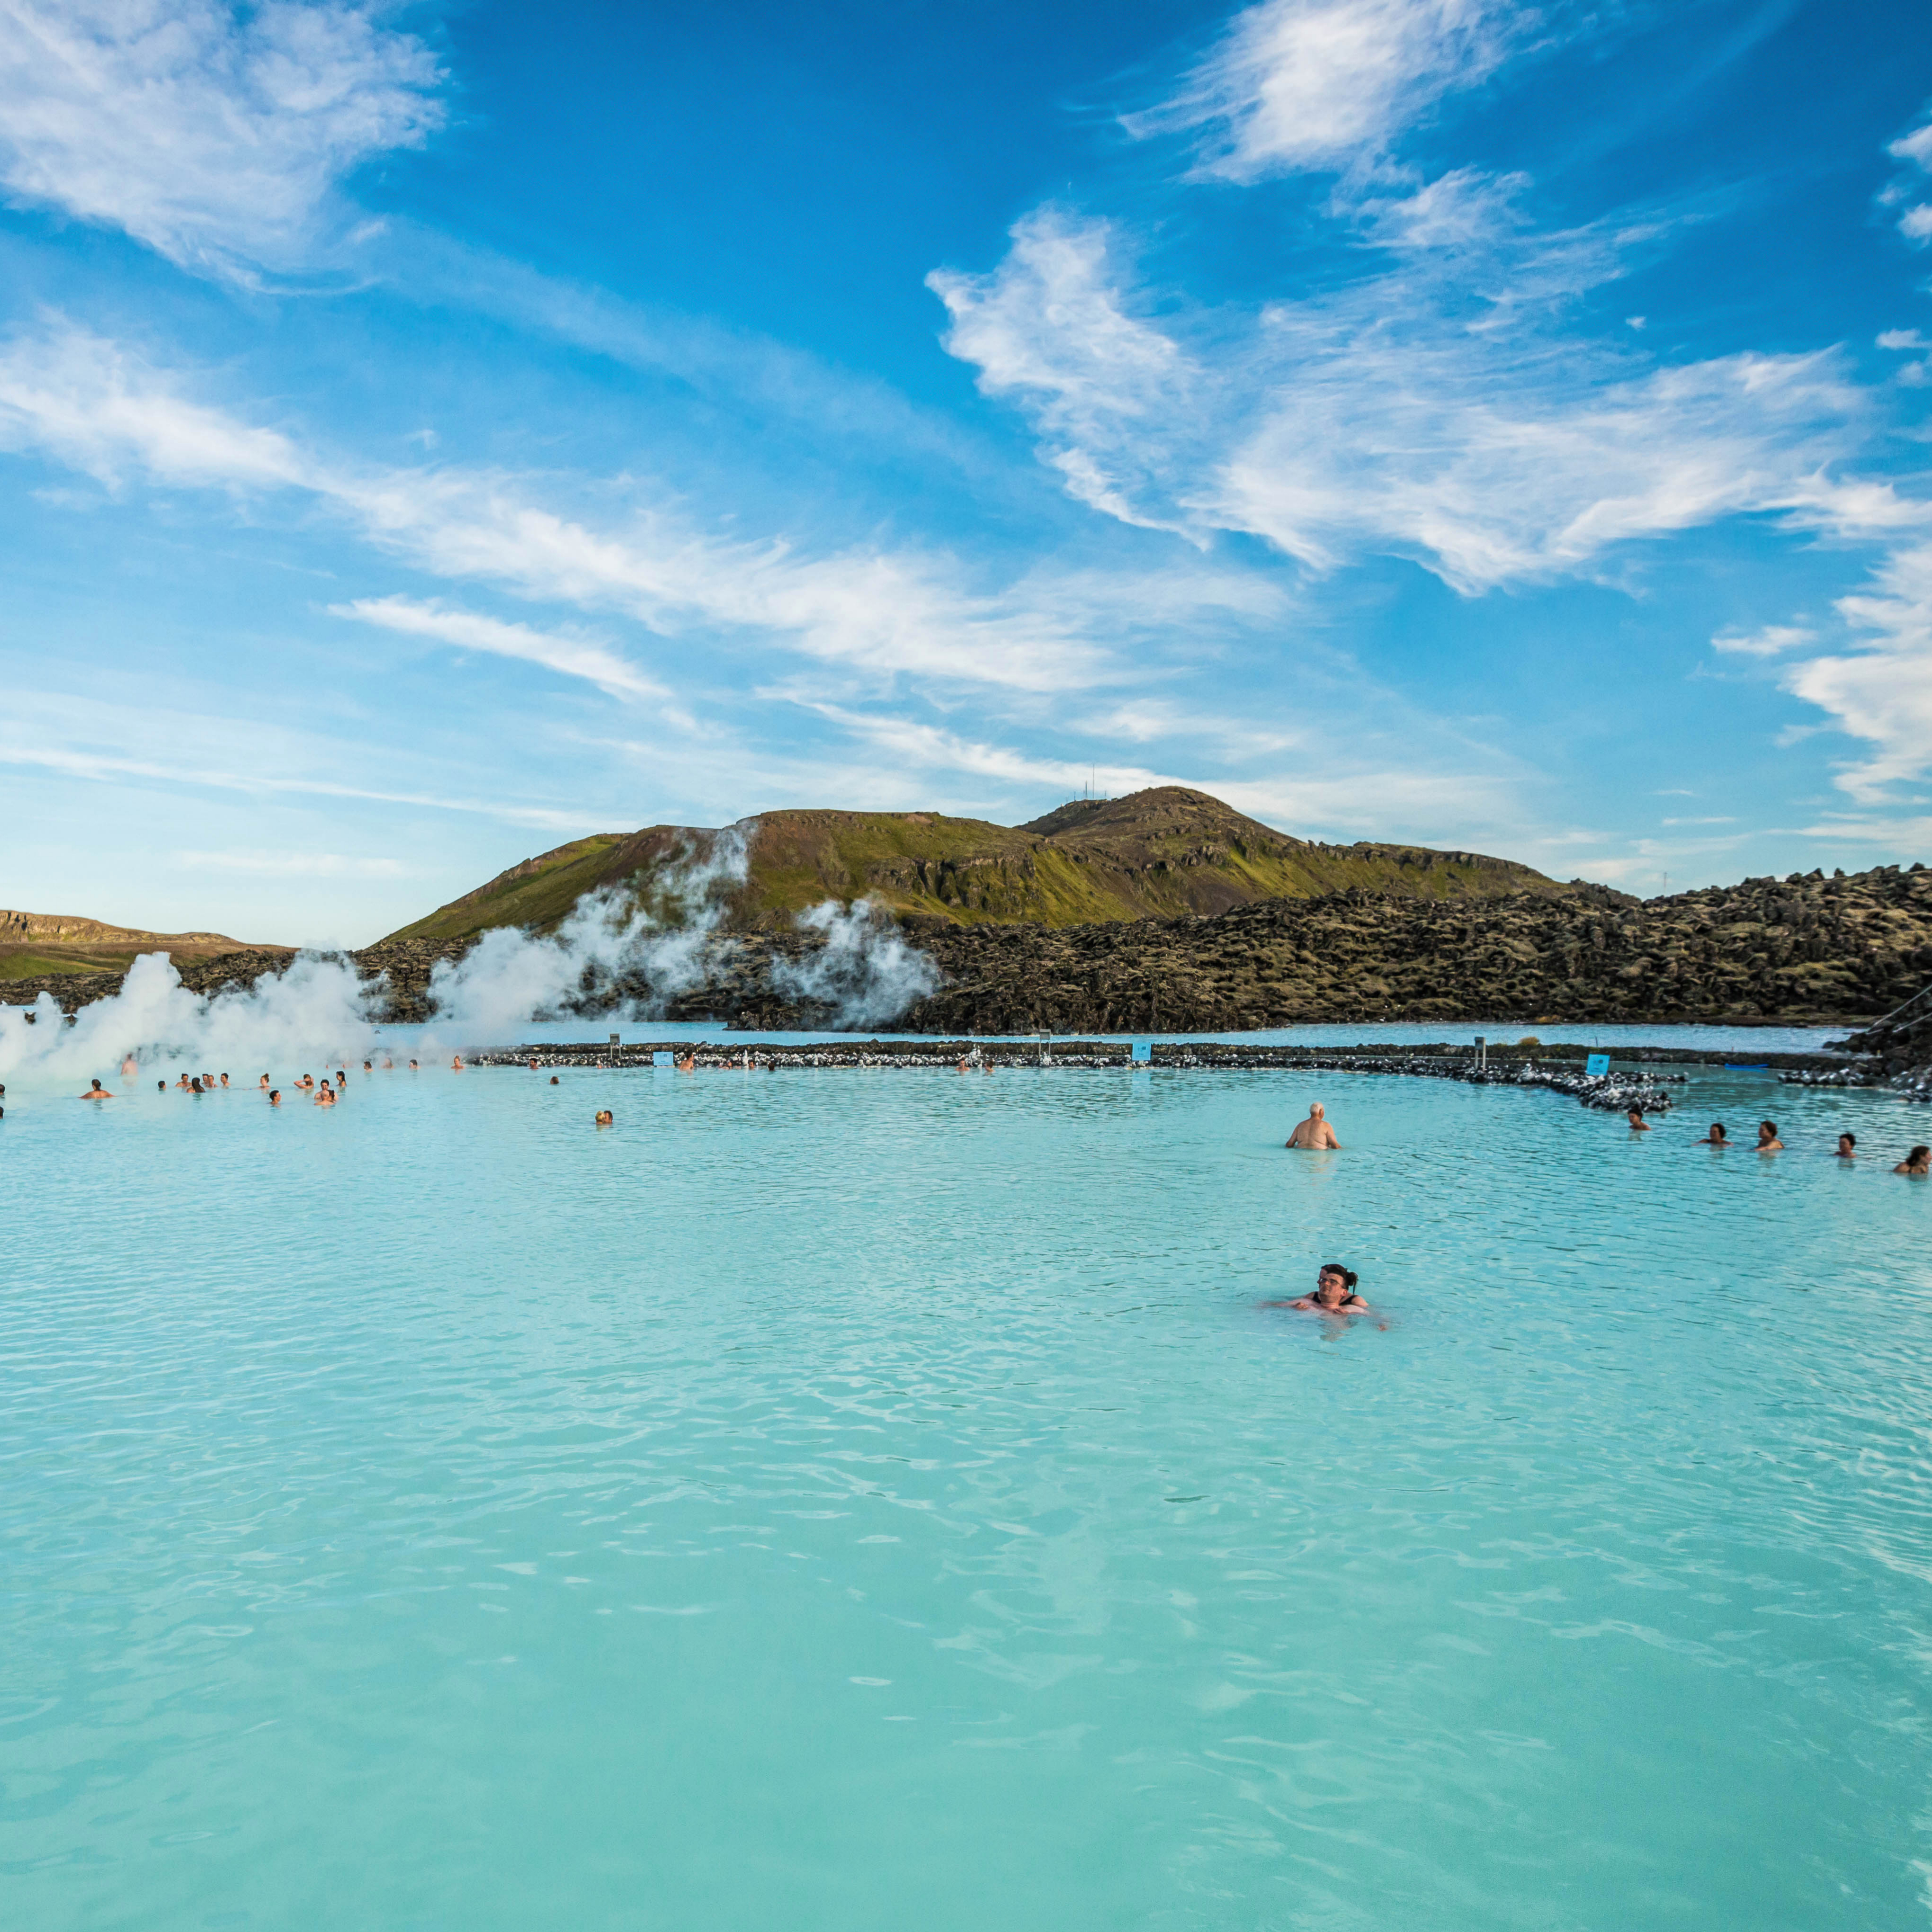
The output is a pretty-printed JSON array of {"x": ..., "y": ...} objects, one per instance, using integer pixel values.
[{"x": 428, "y": 436}]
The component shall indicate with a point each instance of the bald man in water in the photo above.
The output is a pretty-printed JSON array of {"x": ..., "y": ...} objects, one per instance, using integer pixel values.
[{"x": 1314, "y": 1132}]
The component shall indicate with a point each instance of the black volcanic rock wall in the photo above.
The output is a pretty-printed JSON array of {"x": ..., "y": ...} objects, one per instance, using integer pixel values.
[{"x": 1807, "y": 948}]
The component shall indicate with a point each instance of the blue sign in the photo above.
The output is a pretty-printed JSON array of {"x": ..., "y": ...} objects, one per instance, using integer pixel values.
[
  {"x": 1142, "y": 1051},
  {"x": 1597, "y": 1065}
]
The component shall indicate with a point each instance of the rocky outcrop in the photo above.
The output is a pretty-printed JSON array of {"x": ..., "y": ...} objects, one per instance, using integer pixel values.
[{"x": 1807, "y": 948}]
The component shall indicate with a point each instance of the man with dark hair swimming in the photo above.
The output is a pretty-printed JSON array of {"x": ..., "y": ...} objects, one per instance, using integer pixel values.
[
  {"x": 1848, "y": 1147},
  {"x": 1334, "y": 1292}
]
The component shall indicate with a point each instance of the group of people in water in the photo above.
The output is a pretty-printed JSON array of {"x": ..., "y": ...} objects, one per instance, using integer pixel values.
[
  {"x": 322, "y": 1093},
  {"x": 1918, "y": 1159},
  {"x": 1335, "y": 1291},
  {"x": 1315, "y": 1132}
]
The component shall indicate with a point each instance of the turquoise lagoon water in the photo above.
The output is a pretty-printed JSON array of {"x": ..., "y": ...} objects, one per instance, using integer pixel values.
[{"x": 868, "y": 1499}]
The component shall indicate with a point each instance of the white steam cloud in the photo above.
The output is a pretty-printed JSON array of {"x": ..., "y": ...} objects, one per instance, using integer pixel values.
[
  {"x": 509, "y": 976},
  {"x": 606, "y": 957},
  {"x": 316, "y": 1008},
  {"x": 864, "y": 970}
]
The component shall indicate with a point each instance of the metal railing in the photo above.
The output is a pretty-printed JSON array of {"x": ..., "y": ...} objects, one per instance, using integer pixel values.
[{"x": 1897, "y": 1013}]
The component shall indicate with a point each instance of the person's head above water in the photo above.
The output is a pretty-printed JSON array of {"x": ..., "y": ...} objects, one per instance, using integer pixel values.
[
  {"x": 1316, "y": 1112},
  {"x": 1767, "y": 1130},
  {"x": 1334, "y": 1284},
  {"x": 1717, "y": 1132},
  {"x": 1847, "y": 1143},
  {"x": 1918, "y": 1161},
  {"x": 605, "y": 1117}
]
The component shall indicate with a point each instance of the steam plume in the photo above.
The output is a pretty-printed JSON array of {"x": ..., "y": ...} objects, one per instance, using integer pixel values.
[
  {"x": 864, "y": 970},
  {"x": 661, "y": 950},
  {"x": 316, "y": 1007}
]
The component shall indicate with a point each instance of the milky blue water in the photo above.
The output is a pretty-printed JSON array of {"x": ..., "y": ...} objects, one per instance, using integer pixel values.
[{"x": 875, "y": 1499}]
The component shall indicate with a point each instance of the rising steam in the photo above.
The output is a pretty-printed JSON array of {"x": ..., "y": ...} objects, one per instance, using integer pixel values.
[
  {"x": 604, "y": 958},
  {"x": 607, "y": 957},
  {"x": 316, "y": 1007},
  {"x": 864, "y": 971}
]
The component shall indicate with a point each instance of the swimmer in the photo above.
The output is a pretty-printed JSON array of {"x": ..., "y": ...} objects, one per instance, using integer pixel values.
[
  {"x": 160, "y": 1086},
  {"x": 129, "y": 1067},
  {"x": 181, "y": 1084},
  {"x": 326, "y": 1096},
  {"x": 1715, "y": 1137},
  {"x": 605, "y": 1118},
  {"x": 1639, "y": 1125},
  {"x": 552, "y": 1079},
  {"x": 388, "y": 1065},
  {"x": 456, "y": 1062},
  {"x": 413, "y": 1067},
  {"x": 275, "y": 1096},
  {"x": 1848, "y": 1147},
  {"x": 1768, "y": 1141},
  {"x": 265, "y": 1083},
  {"x": 1918, "y": 1161},
  {"x": 194, "y": 1087},
  {"x": 1334, "y": 1292},
  {"x": 367, "y": 1068},
  {"x": 96, "y": 1092},
  {"x": 224, "y": 1080},
  {"x": 1314, "y": 1132},
  {"x": 533, "y": 1066},
  {"x": 342, "y": 1080},
  {"x": 963, "y": 1068}
]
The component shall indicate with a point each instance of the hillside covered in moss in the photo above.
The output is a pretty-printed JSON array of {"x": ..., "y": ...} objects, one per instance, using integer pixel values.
[{"x": 1164, "y": 852}]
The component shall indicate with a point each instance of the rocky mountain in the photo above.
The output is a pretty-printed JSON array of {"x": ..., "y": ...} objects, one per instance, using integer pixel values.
[{"x": 1165, "y": 852}]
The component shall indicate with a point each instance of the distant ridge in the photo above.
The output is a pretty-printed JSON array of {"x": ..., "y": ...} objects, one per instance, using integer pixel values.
[
  {"x": 1165, "y": 852},
  {"x": 35, "y": 943}
]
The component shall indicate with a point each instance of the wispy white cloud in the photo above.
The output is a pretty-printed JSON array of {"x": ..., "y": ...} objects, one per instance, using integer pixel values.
[
  {"x": 215, "y": 134},
  {"x": 1302, "y": 84},
  {"x": 1882, "y": 693},
  {"x": 570, "y": 657},
  {"x": 105, "y": 743},
  {"x": 1769, "y": 642},
  {"x": 1335, "y": 797},
  {"x": 1915, "y": 149},
  {"x": 291, "y": 865},
  {"x": 1431, "y": 412},
  {"x": 95, "y": 406}
]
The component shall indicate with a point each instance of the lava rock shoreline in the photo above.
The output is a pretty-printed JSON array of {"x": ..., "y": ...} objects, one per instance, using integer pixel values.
[
  {"x": 1804, "y": 950},
  {"x": 1554, "y": 1071}
]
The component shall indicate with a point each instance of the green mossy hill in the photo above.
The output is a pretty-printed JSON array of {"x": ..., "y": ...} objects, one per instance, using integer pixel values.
[
  {"x": 1165, "y": 852},
  {"x": 34, "y": 945}
]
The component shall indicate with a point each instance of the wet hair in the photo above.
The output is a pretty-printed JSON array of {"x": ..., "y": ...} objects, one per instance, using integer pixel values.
[
  {"x": 1349, "y": 1277},
  {"x": 160, "y": 1086},
  {"x": 1918, "y": 1154},
  {"x": 1851, "y": 1140},
  {"x": 1717, "y": 1128},
  {"x": 274, "y": 1093},
  {"x": 1771, "y": 1127}
]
